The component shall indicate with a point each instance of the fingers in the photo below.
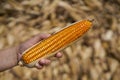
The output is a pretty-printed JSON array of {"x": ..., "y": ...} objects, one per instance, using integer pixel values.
[
  {"x": 42, "y": 36},
  {"x": 58, "y": 55},
  {"x": 37, "y": 38},
  {"x": 42, "y": 63}
]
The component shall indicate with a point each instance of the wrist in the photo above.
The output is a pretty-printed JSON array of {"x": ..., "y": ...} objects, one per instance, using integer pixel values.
[{"x": 9, "y": 58}]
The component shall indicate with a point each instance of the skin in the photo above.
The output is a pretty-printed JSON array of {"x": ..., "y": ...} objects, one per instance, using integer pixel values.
[{"x": 10, "y": 57}]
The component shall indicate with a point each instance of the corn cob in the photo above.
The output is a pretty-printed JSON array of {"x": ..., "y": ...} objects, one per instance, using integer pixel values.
[{"x": 54, "y": 43}]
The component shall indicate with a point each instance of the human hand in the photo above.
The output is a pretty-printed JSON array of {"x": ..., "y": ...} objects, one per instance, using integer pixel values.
[{"x": 30, "y": 43}]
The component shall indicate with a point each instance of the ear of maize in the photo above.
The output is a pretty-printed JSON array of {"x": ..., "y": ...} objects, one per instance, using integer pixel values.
[{"x": 56, "y": 42}]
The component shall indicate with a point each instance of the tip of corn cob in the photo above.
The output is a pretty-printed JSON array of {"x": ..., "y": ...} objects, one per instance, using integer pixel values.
[{"x": 56, "y": 42}]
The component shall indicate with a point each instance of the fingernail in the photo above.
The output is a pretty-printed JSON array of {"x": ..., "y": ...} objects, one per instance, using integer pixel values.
[
  {"x": 42, "y": 61},
  {"x": 38, "y": 66},
  {"x": 59, "y": 55},
  {"x": 48, "y": 35}
]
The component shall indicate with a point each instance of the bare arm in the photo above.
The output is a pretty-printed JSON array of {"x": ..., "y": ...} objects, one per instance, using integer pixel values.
[{"x": 8, "y": 58}]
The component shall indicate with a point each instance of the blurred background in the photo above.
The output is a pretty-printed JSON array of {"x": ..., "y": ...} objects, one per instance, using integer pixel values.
[{"x": 96, "y": 56}]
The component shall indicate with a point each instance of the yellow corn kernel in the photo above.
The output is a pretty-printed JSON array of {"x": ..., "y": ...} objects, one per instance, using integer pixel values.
[{"x": 56, "y": 42}]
